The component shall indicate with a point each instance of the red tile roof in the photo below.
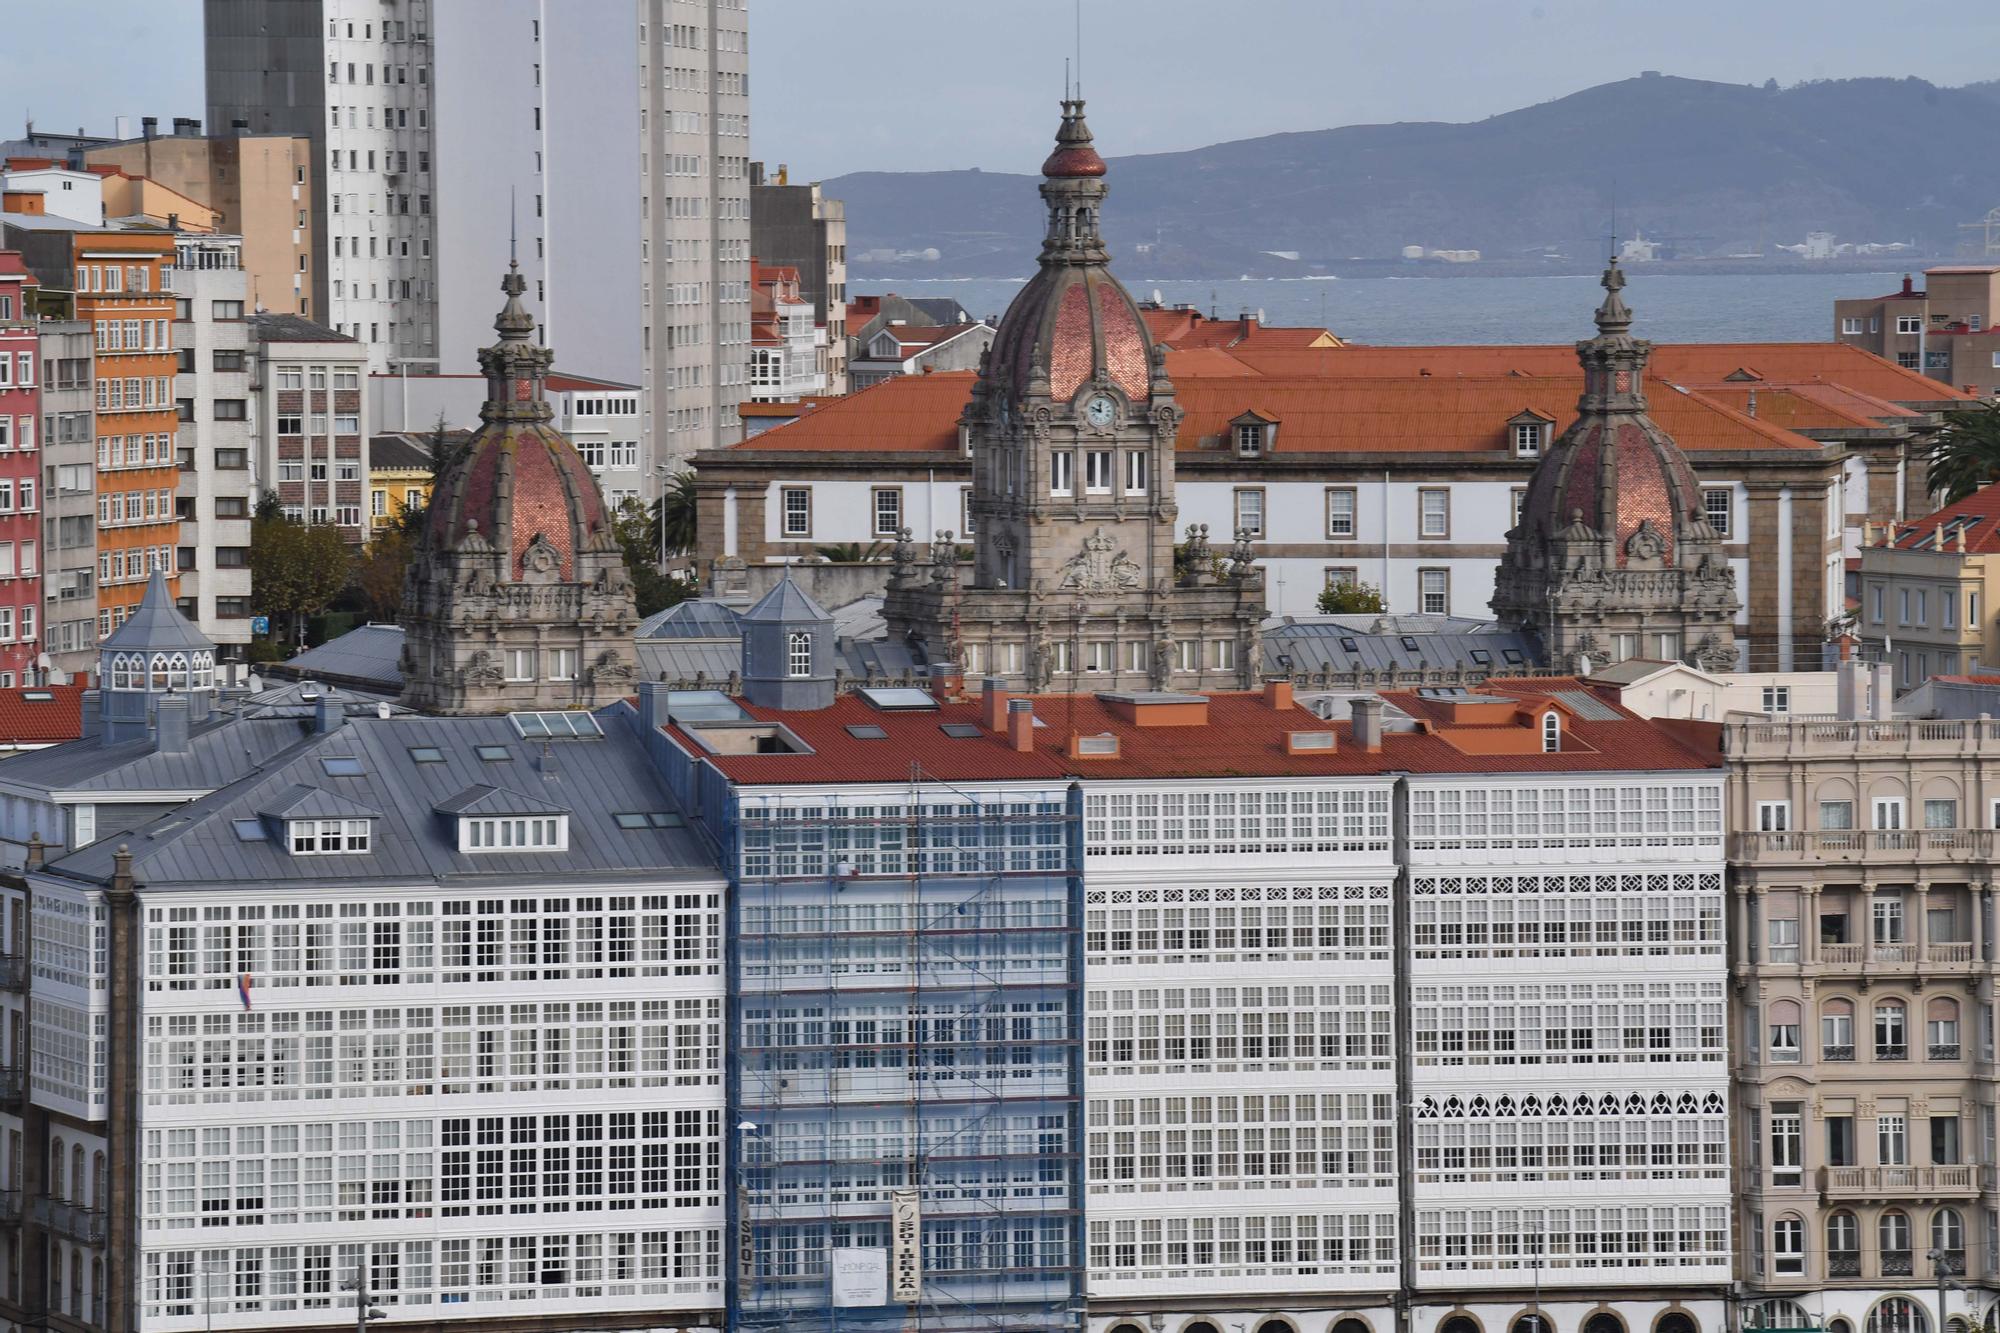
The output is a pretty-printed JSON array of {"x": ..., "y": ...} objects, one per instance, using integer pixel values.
[
  {"x": 1243, "y": 737},
  {"x": 906, "y": 414},
  {"x": 1977, "y": 515},
  {"x": 1968, "y": 680},
  {"x": 29, "y": 718},
  {"x": 1185, "y": 329}
]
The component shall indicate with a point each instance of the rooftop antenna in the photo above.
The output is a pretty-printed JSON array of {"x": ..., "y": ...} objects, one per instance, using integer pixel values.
[
  {"x": 1614, "y": 216},
  {"x": 1066, "y": 81},
  {"x": 513, "y": 231},
  {"x": 1079, "y": 48}
]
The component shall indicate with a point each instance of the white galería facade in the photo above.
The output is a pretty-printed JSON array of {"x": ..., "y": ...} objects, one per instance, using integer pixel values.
[
  {"x": 616, "y": 139},
  {"x": 1241, "y": 1034},
  {"x": 1567, "y": 1068}
]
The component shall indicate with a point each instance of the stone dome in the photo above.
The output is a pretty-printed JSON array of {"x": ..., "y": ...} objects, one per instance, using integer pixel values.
[
  {"x": 1615, "y": 477},
  {"x": 518, "y": 478},
  {"x": 1073, "y": 322}
]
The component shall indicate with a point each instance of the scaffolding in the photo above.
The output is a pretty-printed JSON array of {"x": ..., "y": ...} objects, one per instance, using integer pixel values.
[{"x": 906, "y": 1076}]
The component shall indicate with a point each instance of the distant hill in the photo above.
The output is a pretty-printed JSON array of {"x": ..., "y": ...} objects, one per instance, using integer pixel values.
[{"x": 1708, "y": 167}]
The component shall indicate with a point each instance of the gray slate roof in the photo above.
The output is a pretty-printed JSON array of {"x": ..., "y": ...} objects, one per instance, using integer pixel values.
[
  {"x": 787, "y": 602},
  {"x": 293, "y": 329},
  {"x": 157, "y": 625},
  {"x": 364, "y": 657},
  {"x": 303, "y": 802},
  {"x": 483, "y": 799},
  {"x": 197, "y": 845},
  {"x": 1377, "y": 643},
  {"x": 405, "y": 450},
  {"x": 219, "y": 751}
]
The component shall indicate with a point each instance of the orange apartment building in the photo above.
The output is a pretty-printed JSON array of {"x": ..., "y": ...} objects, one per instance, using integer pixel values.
[{"x": 123, "y": 289}]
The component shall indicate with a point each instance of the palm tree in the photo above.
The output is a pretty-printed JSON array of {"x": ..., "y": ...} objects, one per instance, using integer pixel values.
[
  {"x": 1965, "y": 453},
  {"x": 850, "y": 553},
  {"x": 673, "y": 522}
]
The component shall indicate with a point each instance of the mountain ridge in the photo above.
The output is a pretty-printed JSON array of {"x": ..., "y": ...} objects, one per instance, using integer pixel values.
[{"x": 1709, "y": 167}]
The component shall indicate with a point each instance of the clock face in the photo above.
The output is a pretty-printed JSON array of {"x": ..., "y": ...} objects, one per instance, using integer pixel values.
[{"x": 1099, "y": 411}]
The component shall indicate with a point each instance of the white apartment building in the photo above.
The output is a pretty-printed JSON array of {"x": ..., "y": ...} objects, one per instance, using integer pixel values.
[
  {"x": 1240, "y": 1050},
  {"x": 217, "y": 439},
  {"x": 456, "y": 136}
]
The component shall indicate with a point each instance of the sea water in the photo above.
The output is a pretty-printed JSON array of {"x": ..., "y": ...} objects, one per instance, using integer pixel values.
[{"x": 1465, "y": 308}]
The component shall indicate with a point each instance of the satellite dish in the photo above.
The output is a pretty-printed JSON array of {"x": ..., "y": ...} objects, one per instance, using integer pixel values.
[
  {"x": 1260, "y": 315},
  {"x": 1159, "y": 297}
]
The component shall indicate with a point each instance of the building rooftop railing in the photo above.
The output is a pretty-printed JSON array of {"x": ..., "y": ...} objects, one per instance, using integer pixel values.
[{"x": 1822, "y": 738}]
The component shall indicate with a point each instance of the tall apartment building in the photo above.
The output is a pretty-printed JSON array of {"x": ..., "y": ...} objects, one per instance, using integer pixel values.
[
  {"x": 311, "y": 422},
  {"x": 797, "y": 226},
  {"x": 436, "y": 123},
  {"x": 20, "y": 477},
  {"x": 69, "y": 489},
  {"x": 1863, "y": 948},
  {"x": 217, "y": 439},
  {"x": 1946, "y": 330},
  {"x": 262, "y": 187}
]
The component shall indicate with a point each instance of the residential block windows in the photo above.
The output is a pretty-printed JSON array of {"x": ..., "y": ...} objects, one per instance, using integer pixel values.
[
  {"x": 1716, "y": 507},
  {"x": 888, "y": 509},
  {"x": 1250, "y": 511},
  {"x": 795, "y": 504},
  {"x": 1341, "y": 504},
  {"x": 1434, "y": 514},
  {"x": 1434, "y": 591}
]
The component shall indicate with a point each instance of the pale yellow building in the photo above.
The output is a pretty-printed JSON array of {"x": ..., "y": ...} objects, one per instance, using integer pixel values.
[
  {"x": 257, "y": 186},
  {"x": 1929, "y": 590}
]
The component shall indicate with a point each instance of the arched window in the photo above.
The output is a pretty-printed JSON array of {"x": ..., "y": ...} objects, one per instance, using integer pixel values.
[
  {"x": 1776, "y": 1314},
  {"x": 1784, "y": 1028},
  {"x": 1534, "y": 1321},
  {"x": 1897, "y": 1314},
  {"x": 1200, "y": 1326},
  {"x": 55, "y": 1275},
  {"x": 204, "y": 671},
  {"x": 1276, "y": 1326},
  {"x": 1843, "y": 1245},
  {"x": 56, "y": 1176},
  {"x": 1941, "y": 1027},
  {"x": 76, "y": 1285},
  {"x": 1459, "y": 1323},
  {"x": 798, "y": 653},
  {"x": 1948, "y": 1237},
  {"x": 1892, "y": 1235},
  {"x": 1552, "y": 732},
  {"x": 1350, "y": 1325},
  {"x": 177, "y": 671},
  {"x": 79, "y": 1187},
  {"x": 1604, "y": 1322},
  {"x": 100, "y": 1183},
  {"x": 1788, "y": 1247},
  {"x": 158, "y": 678},
  {"x": 1675, "y": 1321},
  {"x": 1126, "y": 1328},
  {"x": 1892, "y": 1030},
  {"x": 97, "y": 1291},
  {"x": 1836, "y": 1030}
]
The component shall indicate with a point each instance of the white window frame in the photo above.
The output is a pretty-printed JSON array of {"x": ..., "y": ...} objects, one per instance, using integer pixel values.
[
  {"x": 1433, "y": 503},
  {"x": 786, "y": 527}
]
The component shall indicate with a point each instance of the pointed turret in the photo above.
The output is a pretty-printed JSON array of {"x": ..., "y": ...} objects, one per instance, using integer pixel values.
[
  {"x": 1614, "y": 556},
  {"x": 155, "y": 653}
]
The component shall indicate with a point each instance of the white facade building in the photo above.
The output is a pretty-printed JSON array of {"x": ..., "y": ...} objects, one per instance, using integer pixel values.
[
  {"x": 1569, "y": 1080},
  {"x": 1240, "y": 1049},
  {"x": 217, "y": 439}
]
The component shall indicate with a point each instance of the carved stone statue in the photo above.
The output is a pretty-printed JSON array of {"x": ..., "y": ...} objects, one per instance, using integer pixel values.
[
  {"x": 1645, "y": 546},
  {"x": 481, "y": 670},
  {"x": 1099, "y": 567},
  {"x": 609, "y": 666}
]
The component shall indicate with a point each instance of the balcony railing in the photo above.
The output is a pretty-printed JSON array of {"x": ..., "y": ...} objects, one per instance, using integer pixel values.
[
  {"x": 13, "y": 1086},
  {"x": 84, "y": 1225},
  {"x": 1836, "y": 1052},
  {"x": 13, "y": 972},
  {"x": 1896, "y": 1263},
  {"x": 1832, "y": 739},
  {"x": 1890, "y": 1182},
  {"x": 1941, "y": 1050},
  {"x": 1897, "y": 953},
  {"x": 1864, "y": 846},
  {"x": 1840, "y": 1263}
]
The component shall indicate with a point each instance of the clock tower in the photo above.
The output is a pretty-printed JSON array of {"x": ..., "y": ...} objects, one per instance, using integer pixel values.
[{"x": 1074, "y": 583}]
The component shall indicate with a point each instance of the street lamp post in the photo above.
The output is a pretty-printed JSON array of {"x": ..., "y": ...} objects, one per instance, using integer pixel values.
[{"x": 1941, "y": 1267}]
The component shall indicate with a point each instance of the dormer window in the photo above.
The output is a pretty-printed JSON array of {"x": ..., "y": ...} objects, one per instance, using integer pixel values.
[
  {"x": 1528, "y": 431},
  {"x": 1255, "y": 434},
  {"x": 537, "y": 833},
  {"x": 798, "y": 654},
  {"x": 321, "y": 837},
  {"x": 1551, "y": 732}
]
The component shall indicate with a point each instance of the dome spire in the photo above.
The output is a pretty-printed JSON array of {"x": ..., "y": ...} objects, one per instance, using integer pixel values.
[{"x": 1614, "y": 317}]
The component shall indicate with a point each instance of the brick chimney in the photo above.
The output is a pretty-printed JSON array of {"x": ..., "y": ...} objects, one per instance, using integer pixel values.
[
  {"x": 1021, "y": 724},
  {"x": 993, "y": 699}
]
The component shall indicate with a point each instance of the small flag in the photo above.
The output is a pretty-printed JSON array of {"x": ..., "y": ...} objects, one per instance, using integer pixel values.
[{"x": 243, "y": 988}]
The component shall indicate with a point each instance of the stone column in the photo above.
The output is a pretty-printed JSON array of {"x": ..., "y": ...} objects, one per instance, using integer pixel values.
[
  {"x": 1984, "y": 906},
  {"x": 1881, "y": 467},
  {"x": 1761, "y": 590},
  {"x": 1742, "y": 949},
  {"x": 1809, "y": 924}
]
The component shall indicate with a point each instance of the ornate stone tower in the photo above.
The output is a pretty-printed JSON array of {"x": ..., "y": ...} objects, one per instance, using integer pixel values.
[
  {"x": 1614, "y": 556},
  {"x": 518, "y": 596},
  {"x": 1071, "y": 426}
]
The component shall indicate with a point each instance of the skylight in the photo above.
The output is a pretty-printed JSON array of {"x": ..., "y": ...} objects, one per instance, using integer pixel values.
[
  {"x": 426, "y": 754},
  {"x": 494, "y": 754},
  {"x": 867, "y": 732},
  {"x": 1481, "y": 656},
  {"x": 897, "y": 698},
  {"x": 38, "y": 696},
  {"x": 248, "y": 830},
  {"x": 961, "y": 731},
  {"x": 341, "y": 766},
  {"x": 1348, "y": 644},
  {"x": 703, "y": 706},
  {"x": 556, "y": 726}
]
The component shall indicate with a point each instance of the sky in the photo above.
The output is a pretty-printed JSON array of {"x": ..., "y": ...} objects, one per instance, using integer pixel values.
[{"x": 919, "y": 85}]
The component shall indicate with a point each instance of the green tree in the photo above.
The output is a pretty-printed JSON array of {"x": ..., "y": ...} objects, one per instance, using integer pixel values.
[
  {"x": 1965, "y": 453},
  {"x": 1351, "y": 599},
  {"x": 296, "y": 569},
  {"x": 379, "y": 571},
  {"x": 653, "y": 588},
  {"x": 672, "y": 529},
  {"x": 850, "y": 553}
]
